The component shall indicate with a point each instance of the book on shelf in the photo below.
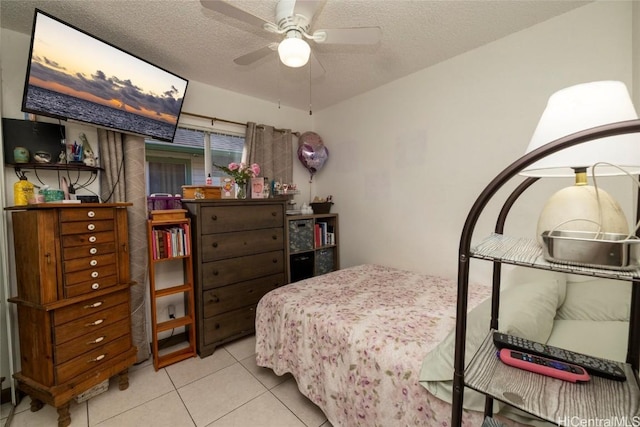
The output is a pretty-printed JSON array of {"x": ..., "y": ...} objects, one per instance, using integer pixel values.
[{"x": 171, "y": 242}]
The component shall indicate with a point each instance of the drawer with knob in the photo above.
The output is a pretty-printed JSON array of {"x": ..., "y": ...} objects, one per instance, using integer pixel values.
[
  {"x": 89, "y": 363},
  {"x": 83, "y": 214},
  {"x": 79, "y": 227},
  {"x": 89, "y": 342},
  {"x": 90, "y": 306},
  {"x": 90, "y": 262},
  {"x": 88, "y": 250},
  {"x": 90, "y": 323},
  {"x": 228, "y": 298},
  {"x": 217, "y": 219},
  {"x": 85, "y": 239},
  {"x": 230, "y": 245},
  {"x": 233, "y": 270},
  {"x": 99, "y": 282},
  {"x": 233, "y": 323}
]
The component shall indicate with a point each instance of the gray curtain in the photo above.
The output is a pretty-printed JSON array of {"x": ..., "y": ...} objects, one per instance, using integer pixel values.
[
  {"x": 272, "y": 150},
  {"x": 123, "y": 159}
]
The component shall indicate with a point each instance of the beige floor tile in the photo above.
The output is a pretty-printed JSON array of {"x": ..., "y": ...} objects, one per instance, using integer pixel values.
[
  {"x": 265, "y": 375},
  {"x": 242, "y": 348},
  {"x": 4, "y": 410},
  {"x": 264, "y": 411},
  {"x": 194, "y": 368},
  {"x": 213, "y": 396},
  {"x": 145, "y": 384},
  {"x": 164, "y": 411},
  {"x": 303, "y": 408},
  {"x": 48, "y": 416}
]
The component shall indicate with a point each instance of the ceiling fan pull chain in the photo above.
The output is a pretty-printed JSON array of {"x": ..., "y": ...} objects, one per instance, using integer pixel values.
[{"x": 310, "y": 112}]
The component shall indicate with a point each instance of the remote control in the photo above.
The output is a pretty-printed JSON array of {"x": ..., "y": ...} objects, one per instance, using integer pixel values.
[
  {"x": 594, "y": 365},
  {"x": 542, "y": 365}
]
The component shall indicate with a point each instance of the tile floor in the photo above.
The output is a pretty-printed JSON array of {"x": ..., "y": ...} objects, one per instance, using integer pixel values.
[{"x": 226, "y": 389}]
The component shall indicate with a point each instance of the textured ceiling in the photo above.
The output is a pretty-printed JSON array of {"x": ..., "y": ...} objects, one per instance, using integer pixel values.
[{"x": 199, "y": 44}]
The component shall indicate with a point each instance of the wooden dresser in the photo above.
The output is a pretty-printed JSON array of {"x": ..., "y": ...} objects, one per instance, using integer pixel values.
[
  {"x": 238, "y": 248},
  {"x": 73, "y": 303}
]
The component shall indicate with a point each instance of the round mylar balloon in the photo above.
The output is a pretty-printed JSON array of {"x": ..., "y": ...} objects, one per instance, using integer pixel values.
[{"x": 311, "y": 151}]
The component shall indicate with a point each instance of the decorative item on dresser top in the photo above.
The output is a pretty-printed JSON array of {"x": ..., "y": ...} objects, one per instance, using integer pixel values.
[
  {"x": 238, "y": 249},
  {"x": 73, "y": 303}
]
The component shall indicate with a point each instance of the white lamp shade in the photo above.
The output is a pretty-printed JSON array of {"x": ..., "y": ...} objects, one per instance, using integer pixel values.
[
  {"x": 582, "y": 107},
  {"x": 294, "y": 52}
]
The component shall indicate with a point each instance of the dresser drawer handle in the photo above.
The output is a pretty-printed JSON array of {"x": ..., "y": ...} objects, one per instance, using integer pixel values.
[
  {"x": 91, "y": 227},
  {"x": 95, "y": 304},
  {"x": 274, "y": 237},
  {"x": 217, "y": 326},
  {"x": 214, "y": 217},
  {"x": 215, "y": 272},
  {"x": 94, "y": 274},
  {"x": 93, "y": 263},
  {"x": 96, "y": 323},
  {"x": 93, "y": 251},
  {"x": 97, "y": 340},
  {"x": 275, "y": 260},
  {"x": 214, "y": 299},
  {"x": 95, "y": 286},
  {"x": 215, "y": 244},
  {"x": 91, "y": 214},
  {"x": 93, "y": 239},
  {"x": 97, "y": 359},
  {"x": 274, "y": 213}
]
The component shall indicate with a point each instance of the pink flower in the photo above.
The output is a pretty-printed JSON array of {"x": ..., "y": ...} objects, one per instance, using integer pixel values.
[
  {"x": 233, "y": 166},
  {"x": 256, "y": 169}
]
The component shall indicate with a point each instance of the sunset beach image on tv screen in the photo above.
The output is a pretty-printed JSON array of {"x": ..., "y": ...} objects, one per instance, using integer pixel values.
[{"x": 73, "y": 75}]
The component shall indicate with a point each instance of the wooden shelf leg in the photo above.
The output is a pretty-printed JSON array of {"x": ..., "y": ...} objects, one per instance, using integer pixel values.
[
  {"x": 123, "y": 380},
  {"x": 64, "y": 416}
]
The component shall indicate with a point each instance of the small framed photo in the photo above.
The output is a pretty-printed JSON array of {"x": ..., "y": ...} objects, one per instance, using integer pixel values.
[
  {"x": 228, "y": 188},
  {"x": 257, "y": 188}
]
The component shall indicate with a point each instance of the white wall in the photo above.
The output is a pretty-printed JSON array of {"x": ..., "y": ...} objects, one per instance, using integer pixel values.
[{"x": 408, "y": 159}]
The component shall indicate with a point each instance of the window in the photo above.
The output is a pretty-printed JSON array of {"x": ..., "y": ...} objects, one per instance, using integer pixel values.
[{"x": 172, "y": 165}]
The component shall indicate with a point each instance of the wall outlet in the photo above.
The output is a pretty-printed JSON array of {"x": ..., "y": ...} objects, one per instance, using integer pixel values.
[{"x": 172, "y": 311}]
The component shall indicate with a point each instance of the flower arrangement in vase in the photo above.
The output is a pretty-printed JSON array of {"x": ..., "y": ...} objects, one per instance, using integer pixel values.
[{"x": 241, "y": 174}]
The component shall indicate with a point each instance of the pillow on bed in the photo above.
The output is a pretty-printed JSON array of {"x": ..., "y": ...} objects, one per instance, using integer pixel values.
[
  {"x": 526, "y": 310},
  {"x": 596, "y": 299}
]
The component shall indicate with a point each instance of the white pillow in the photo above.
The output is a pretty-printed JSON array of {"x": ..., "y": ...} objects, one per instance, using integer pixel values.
[
  {"x": 527, "y": 310},
  {"x": 597, "y": 299}
]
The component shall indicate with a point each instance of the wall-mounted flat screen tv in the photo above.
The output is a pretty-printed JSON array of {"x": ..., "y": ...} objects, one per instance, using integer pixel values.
[{"x": 74, "y": 75}]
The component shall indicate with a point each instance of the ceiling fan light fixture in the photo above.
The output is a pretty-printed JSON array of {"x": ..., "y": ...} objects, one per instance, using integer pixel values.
[{"x": 293, "y": 50}]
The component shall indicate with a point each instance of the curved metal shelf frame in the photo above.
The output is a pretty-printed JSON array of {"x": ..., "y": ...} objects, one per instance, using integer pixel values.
[{"x": 465, "y": 253}]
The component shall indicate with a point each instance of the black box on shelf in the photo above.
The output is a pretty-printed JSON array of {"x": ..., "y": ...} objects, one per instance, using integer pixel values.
[{"x": 301, "y": 266}]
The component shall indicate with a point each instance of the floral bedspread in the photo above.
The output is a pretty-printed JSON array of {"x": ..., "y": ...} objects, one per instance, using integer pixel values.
[{"x": 354, "y": 340}]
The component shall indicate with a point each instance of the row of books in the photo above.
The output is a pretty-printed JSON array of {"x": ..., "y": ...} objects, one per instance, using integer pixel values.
[
  {"x": 169, "y": 242},
  {"x": 324, "y": 234}
]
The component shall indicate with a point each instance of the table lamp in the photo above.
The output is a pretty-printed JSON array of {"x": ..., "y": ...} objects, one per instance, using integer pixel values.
[{"x": 583, "y": 207}]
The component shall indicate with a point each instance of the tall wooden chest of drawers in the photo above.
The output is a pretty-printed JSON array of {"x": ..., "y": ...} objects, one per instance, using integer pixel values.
[
  {"x": 73, "y": 302},
  {"x": 238, "y": 248}
]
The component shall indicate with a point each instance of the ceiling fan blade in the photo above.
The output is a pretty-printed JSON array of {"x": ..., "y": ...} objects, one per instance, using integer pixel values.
[
  {"x": 252, "y": 57},
  {"x": 230, "y": 10},
  {"x": 362, "y": 35}
]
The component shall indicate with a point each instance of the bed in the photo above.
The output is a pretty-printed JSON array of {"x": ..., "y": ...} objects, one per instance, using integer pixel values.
[{"x": 373, "y": 345}]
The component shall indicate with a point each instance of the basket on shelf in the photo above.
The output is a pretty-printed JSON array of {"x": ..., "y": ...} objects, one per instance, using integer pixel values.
[{"x": 321, "y": 207}]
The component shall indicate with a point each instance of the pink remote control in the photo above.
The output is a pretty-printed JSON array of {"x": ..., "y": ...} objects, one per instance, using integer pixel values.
[{"x": 540, "y": 365}]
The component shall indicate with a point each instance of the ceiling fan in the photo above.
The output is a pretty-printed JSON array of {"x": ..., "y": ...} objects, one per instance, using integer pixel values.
[{"x": 293, "y": 20}]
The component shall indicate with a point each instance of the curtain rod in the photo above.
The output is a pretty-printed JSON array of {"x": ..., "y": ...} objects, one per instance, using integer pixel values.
[{"x": 217, "y": 119}]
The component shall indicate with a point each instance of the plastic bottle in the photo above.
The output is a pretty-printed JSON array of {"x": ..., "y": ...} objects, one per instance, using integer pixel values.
[
  {"x": 209, "y": 180},
  {"x": 22, "y": 191}
]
